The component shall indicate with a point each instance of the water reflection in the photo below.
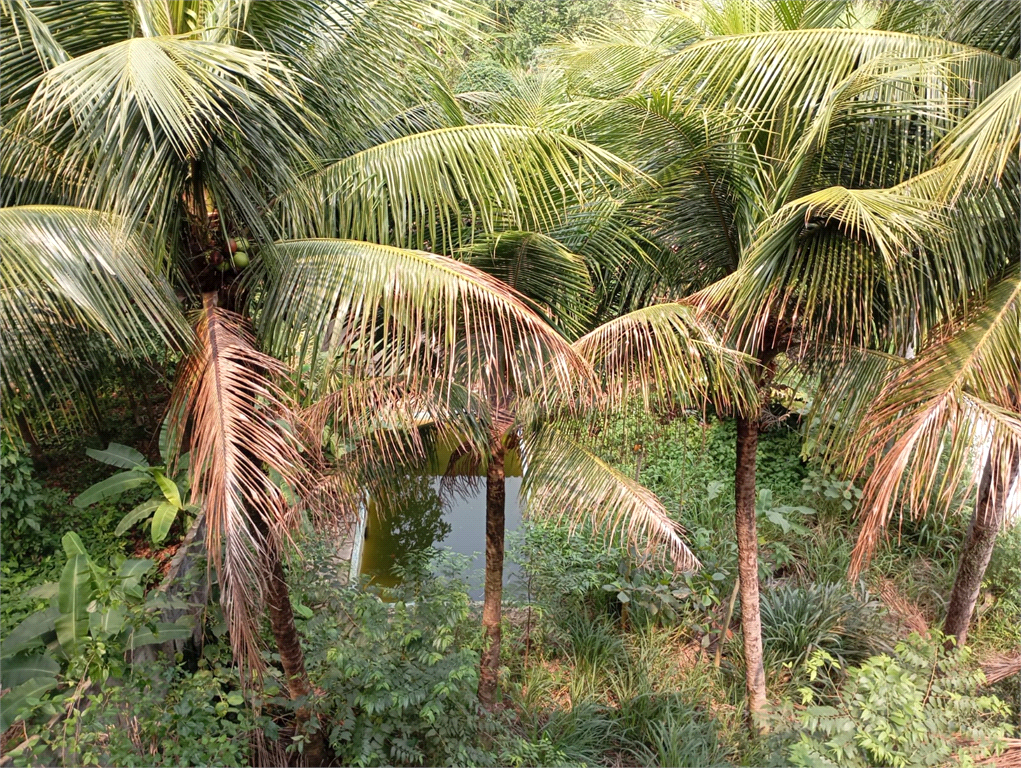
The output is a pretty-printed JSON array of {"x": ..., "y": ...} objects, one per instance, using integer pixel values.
[{"x": 418, "y": 512}]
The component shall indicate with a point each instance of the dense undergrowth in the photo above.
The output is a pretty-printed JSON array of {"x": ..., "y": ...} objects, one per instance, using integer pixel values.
[{"x": 609, "y": 659}]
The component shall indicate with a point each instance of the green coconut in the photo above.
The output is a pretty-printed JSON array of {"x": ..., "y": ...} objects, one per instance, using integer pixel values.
[{"x": 240, "y": 259}]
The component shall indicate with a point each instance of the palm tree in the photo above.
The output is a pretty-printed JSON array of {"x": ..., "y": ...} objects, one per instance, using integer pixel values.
[
  {"x": 921, "y": 420},
  {"x": 774, "y": 191},
  {"x": 143, "y": 143}
]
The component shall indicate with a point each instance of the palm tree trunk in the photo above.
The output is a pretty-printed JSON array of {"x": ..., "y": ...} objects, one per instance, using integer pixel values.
[
  {"x": 748, "y": 568},
  {"x": 281, "y": 619},
  {"x": 491, "y": 610},
  {"x": 977, "y": 549}
]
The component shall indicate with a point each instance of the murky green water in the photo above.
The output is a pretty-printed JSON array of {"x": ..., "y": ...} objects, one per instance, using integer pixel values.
[{"x": 418, "y": 513}]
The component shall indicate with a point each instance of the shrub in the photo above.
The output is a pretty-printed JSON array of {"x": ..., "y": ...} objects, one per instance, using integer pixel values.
[
  {"x": 160, "y": 716},
  {"x": 830, "y": 617},
  {"x": 918, "y": 707},
  {"x": 398, "y": 679}
]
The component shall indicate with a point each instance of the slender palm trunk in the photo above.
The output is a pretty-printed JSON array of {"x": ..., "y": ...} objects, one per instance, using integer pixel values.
[
  {"x": 748, "y": 567},
  {"x": 495, "y": 497},
  {"x": 977, "y": 549},
  {"x": 292, "y": 658}
]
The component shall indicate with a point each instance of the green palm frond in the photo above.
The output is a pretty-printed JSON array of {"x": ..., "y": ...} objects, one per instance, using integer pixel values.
[
  {"x": 936, "y": 411},
  {"x": 983, "y": 145},
  {"x": 345, "y": 307},
  {"x": 67, "y": 272},
  {"x": 145, "y": 110},
  {"x": 35, "y": 37},
  {"x": 847, "y": 383},
  {"x": 424, "y": 189},
  {"x": 608, "y": 61},
  {"x": 876, "y": 128},
  {"x": 992, "y": 25},
  {"x": 564, "y": 481},
  {"x": 834, "y": 263},
  {"x": 671, "y": 351},
  {"x": 732, "y": 72},
  {"x": 555, "y": 281},
  {"x": 706, "y": 176}
]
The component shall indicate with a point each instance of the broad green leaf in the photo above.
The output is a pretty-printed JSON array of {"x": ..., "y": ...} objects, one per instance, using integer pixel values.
[
  {"x": 73, "y": 593},
  {"x": 43, "y": 591},
  {"x": 73, "y": 544},
  {"x": 103, "y": 624},
  {"x": 162, "y": 520},
  {"x": 69, "y": 631},
  {"x": 134, "y": 568},
  {"x": 118, "y": 455},
  {"x": 164, "y": 631},
  {"x": 32, "y": 628},
  {"x": 112, "y": 486},
  {"x": 20, "y": 669},
  {"x": 140, "y": 512},
  {"x": 16, "y": 702},
  {"x": 169, "y": 488}
]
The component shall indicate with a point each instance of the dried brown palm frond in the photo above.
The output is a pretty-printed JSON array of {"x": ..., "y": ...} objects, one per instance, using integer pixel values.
[
  {"x": 1001, "y": 667},
  {"x": 1009, "y": 755},
  {"x": 922, "y": 430},
  {"x": 226, "y": 394},
  {"x": 564, "y": 481}
]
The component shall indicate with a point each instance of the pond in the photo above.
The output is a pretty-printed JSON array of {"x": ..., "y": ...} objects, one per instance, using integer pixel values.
[{"x": 421, "y": 511}]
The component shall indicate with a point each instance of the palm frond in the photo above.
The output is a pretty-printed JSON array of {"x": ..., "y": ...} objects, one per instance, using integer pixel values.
[
  {"x": 35, "y": 37},
  {"x": 68, "y": 272},
  {"x": 564, "y": 481},
  {"x": 669, "y": 350},
  {"x": 125, "y": 125},
  {"x": 423, "y": 190},
  {"x": 830, "y": 264},
  {"x": 555, "y": 281},
  {"x": 350, "y": 308},
  {"x": 992, "y": 25},
  {"x": 781, "y": 78},
  {"x": 226, "y": 393},
  {"x": 958, "y": 394},
  {"x": 981, "y": 147}
]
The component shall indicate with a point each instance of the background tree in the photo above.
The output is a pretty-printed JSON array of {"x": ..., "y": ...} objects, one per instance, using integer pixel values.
[{"x": 760, "y": 196}]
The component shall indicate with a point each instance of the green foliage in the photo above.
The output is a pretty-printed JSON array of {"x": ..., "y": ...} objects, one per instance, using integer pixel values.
[
  {"x": 160, "y": 716},
  {"x": 95, "y": 614},
  {"x": 916, "y": 707},
  {"x": 398, "y": 678},
  {"x": 20, "y": 493},
  {"x": 167, "y": 495},
  {"x": 526, "y": 25},
  {"x": 797, "y": 621}
]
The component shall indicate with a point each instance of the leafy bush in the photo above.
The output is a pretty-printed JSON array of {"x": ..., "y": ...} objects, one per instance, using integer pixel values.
[
  {"x": 917, "y": 707},
  {"x": 159, "y": 716},
  {"x": 95, "y": 615},
  {"x": 796, "y": 621},
  {"x": 166, "y": 495},
  {"x": 20, "y": 493},
  {"x": 398, "y": 679}
]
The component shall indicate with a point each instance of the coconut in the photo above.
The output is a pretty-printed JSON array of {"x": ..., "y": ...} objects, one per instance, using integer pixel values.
[{"x": 240, "y": 259}]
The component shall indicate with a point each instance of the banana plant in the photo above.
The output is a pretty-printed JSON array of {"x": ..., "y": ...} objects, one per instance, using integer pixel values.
[
  {"x": 94, "y": 613},
  {"x": 161, "y": 509}
]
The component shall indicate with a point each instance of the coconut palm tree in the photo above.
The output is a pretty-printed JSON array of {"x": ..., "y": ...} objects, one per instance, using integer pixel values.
[
  {"x": 919, "y": 421},
  {"x": 198, "y": 127},
  {"x": 145, "y": 144},
  {"x": 786, "y": 198}
]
